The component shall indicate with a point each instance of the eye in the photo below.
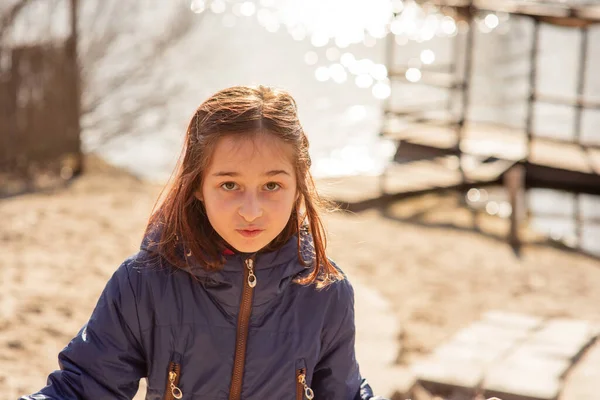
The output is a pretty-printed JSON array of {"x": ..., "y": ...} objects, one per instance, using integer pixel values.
[
  {"x": 229, "y": 186},
  {"x": 272, "y": 186}
]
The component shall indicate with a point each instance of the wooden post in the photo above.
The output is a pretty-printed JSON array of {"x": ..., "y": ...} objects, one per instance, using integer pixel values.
[
  {"x": 514, "y": 182},
  {"x": 76, "y": 82},
  {"x": 581, "y": 82},
  {"x": 532, "y": 86},
  {"x": 390, "y": 62}
]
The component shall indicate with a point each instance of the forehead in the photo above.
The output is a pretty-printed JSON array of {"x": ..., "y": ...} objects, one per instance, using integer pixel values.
[{"x": 251, "y": 153}]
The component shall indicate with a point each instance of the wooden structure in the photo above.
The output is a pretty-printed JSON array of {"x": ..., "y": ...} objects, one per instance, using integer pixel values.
[
  {"x": 421, "y": 134},
  {"x": 449, "y": 131},
  {"x": 39, "y": 117}
]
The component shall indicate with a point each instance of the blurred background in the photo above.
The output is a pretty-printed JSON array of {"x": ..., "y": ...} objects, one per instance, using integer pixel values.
[{"x": 461, "y": 137}]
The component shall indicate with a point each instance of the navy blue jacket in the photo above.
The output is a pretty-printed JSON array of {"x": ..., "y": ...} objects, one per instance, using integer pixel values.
[{"x": 152, "y": 316}]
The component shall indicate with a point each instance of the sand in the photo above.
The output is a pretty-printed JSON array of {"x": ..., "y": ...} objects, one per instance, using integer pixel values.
[{"x": 424, "y": 255}]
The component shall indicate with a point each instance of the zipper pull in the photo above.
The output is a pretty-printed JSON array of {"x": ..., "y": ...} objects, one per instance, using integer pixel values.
[
  {"x": 251, "y": 276},
  {"x": 175, "y": 391},
  {"x": 308, "y": 392}
]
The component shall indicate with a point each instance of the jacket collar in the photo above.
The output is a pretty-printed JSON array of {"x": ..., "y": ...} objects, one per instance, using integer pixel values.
[{"x": 275, "y": 271}]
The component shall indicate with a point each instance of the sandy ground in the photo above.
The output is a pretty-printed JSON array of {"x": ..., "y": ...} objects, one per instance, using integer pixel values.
[{"x": 425, "y": 255}]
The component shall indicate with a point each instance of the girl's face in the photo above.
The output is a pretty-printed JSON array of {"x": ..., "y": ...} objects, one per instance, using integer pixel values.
[{"x": 249, "y": 190}]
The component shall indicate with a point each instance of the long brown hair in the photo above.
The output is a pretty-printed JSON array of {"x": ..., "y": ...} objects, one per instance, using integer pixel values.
[{"x": 181, "y": 218}]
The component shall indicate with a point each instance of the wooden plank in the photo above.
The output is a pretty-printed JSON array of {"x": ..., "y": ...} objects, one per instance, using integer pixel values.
[
  {"x": 589, "y": 12},
  {"x": 536, "y": 8},
  {"x": 571, "y": 157},
  {"x": 577, "y": 101},
  {"x": 416, "y": 176},
  {"x": 561, "y": 14},
  {"x": 507, "y": 143},
  {"x": 429, "y": 78},
  {"x": 447, "y": 3}
]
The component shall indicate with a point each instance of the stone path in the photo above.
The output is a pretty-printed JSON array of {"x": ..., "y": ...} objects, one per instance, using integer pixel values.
[
  {"x": 378, "y": 344},
  {"x": 516, "y": 357}
]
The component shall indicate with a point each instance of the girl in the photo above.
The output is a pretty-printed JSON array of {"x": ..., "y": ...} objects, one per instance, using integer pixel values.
[{"x": 231, "y": 295}]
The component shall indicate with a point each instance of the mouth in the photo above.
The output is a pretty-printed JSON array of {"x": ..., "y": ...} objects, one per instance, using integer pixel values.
[{"x": 249, "y": 232}]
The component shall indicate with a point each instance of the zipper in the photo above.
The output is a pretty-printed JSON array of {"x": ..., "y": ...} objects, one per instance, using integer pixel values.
[
  {"x": 235, "y": 390},
  {"x": 302, "y": 389},
  {"x": 172, "y": 390}
]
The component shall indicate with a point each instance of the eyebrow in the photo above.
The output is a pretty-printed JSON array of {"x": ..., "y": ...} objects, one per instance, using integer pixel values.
[{"x": 236, "y": 174}]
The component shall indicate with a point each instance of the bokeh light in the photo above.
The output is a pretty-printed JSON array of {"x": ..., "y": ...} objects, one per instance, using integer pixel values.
[
  {"x": 247, "y": 8},
  {"x": 362, "y": 23},
  {"x": 378, "y": 71},
  {"x": 347, "y": 59},
  {"x": 363, "y": 81},
  {"x": 492, "y": 208},
  {"x": 413, "y": 75},
  {"x": 218, "y": 6},
  {"x": 492, "y": 21},
  {"x": 473, "y": 195},
  {"x": 197, "y": 6},
  {"x": 381, "y": 90},
  {"x": 322, "y": 74},
  {"x": 427, "y": 56},
  {"x": 338, "y": 73}
]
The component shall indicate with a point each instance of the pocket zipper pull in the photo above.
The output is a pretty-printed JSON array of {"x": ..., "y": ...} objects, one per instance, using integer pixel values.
[
  {"x": 308, "y": 392},
  {"x": 175, "y": 391}
]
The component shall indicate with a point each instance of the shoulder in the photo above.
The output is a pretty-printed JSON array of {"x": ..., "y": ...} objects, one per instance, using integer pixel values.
[
  {"x": 339, "y": 293},
  {"x": 142, "y": 271},
  {"x": 145, "y": 265}
]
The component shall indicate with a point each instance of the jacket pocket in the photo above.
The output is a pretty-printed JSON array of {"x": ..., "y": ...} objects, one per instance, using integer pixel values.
[
  {"x": 303, "y": 391},
  {"x": 172, "y": 391}
]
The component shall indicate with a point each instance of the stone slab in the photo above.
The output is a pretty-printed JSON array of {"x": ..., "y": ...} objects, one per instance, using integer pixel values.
[
  {"x": 393, "y": 382},
  {"x": 484, "y": 355},
  {"x": 377, "y": 344},
  {"x": 484, "y": 333},
  {"x": 583, "y": 380},
  {"x": 515, "y": 356},
  {"x": 448, "y": 374},
  {"x": 565, "y": 331},
  {"x": 563, "y": 351},
  {"x": 522, "y": 359},
  {"x": 512, "y": 320},
  {"x": 522, "y": 383}
]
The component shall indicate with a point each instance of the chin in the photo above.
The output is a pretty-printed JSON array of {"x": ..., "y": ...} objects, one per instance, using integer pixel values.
[{"x": 249, "y": 246}]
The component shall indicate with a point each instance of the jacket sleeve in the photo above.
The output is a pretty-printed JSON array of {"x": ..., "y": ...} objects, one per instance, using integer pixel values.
[
  {"x": 106, "y": 359},
  {"x": 336, "y": 374}
]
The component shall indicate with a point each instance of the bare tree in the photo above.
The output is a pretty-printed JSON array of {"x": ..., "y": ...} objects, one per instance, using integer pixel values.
[
  {"x": 115, "y": 32},
  {"x": 120, "y": 46}
]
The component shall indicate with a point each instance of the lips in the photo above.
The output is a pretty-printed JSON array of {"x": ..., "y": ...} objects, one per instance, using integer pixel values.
[{"x": 249, "y": 232}]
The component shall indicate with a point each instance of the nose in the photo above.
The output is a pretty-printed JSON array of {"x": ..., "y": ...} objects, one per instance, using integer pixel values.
[{"x": 251, "y": 207}]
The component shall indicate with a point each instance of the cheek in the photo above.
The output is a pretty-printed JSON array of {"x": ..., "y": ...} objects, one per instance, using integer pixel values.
[
  {"x": 283, "y": 204},
  {"x": 216, "y": 204}
]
